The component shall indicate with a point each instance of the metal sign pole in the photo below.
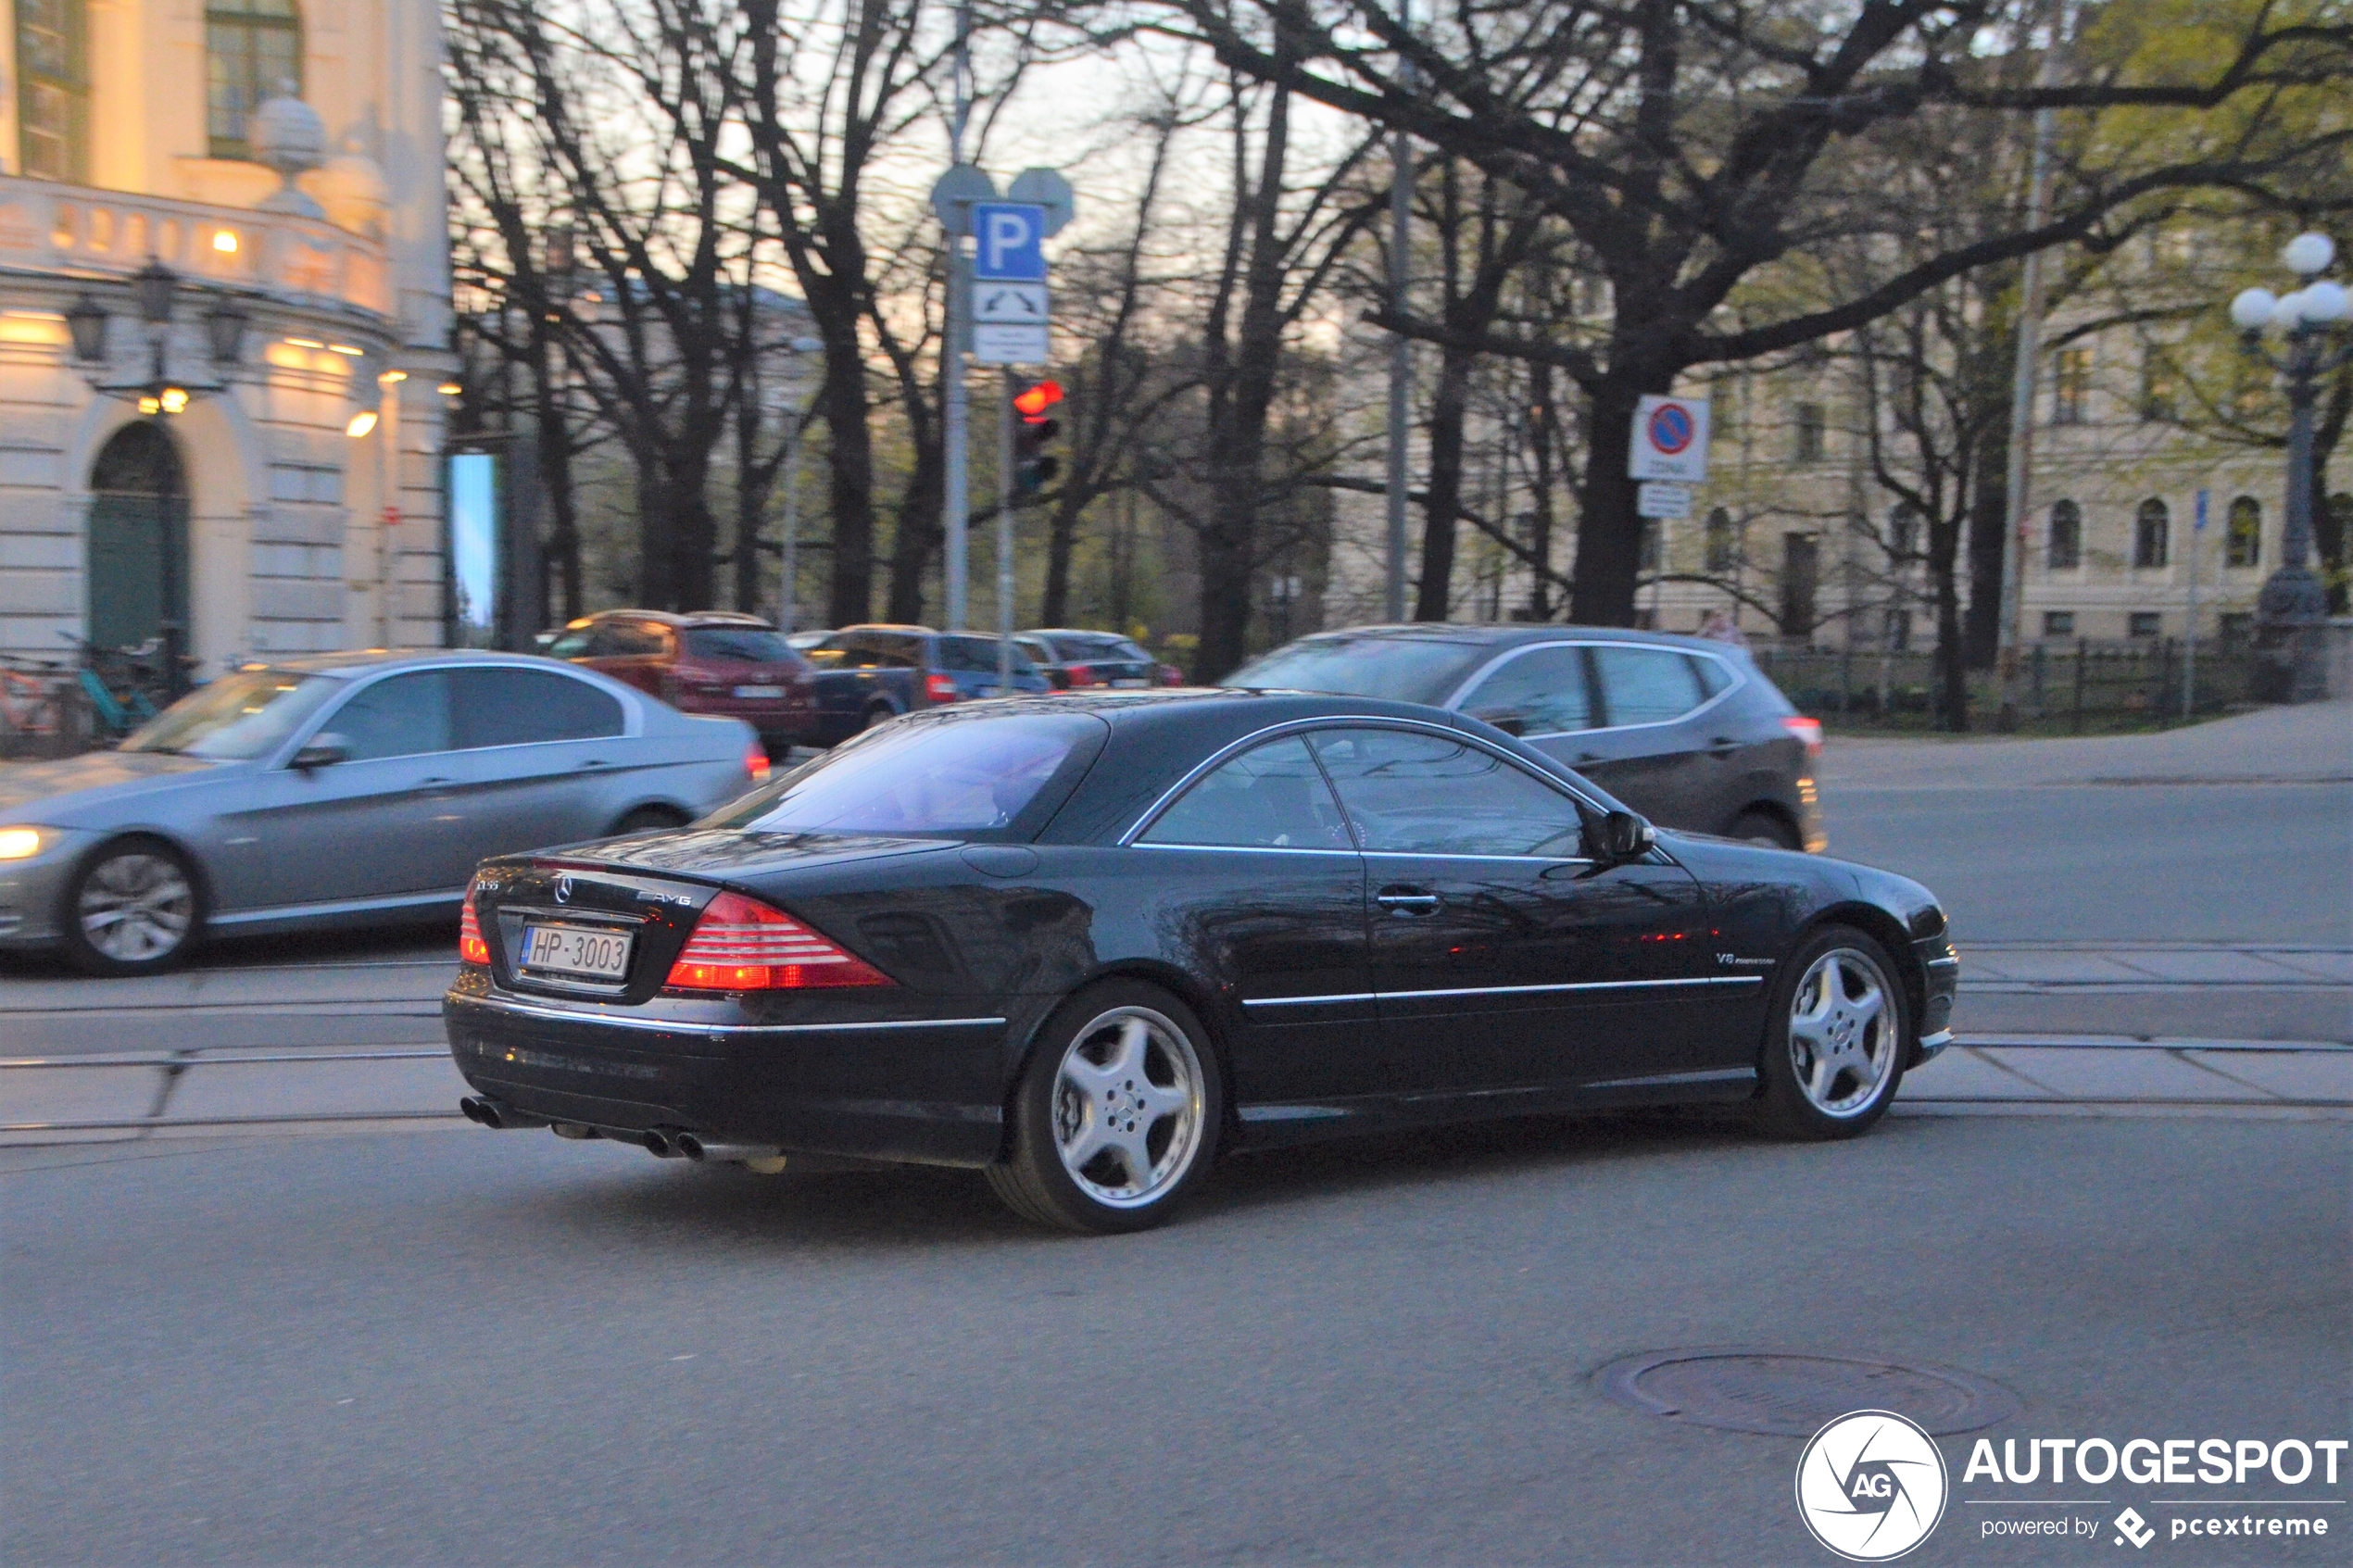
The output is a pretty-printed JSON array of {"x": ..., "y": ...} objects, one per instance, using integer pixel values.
[
  {"x": 954, "y": 416},
  {"x": 1005, "y": 418}
]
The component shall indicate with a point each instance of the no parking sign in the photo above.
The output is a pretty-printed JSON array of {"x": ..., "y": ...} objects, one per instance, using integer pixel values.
[{"x": 1670, "y": 440}]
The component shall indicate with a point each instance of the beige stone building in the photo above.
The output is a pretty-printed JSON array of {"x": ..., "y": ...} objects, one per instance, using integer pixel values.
[{"x": 268, "y": 485}]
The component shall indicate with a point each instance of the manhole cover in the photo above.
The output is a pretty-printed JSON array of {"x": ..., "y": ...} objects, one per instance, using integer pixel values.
[{"x": 1788, "y": 1394}]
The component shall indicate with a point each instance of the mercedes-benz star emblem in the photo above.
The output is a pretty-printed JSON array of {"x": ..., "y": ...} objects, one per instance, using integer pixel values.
[{"x": 564, "y": 890}]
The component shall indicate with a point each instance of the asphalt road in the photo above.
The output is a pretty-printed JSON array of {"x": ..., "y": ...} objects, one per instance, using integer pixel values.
[{"x": 462, "y": 1348}]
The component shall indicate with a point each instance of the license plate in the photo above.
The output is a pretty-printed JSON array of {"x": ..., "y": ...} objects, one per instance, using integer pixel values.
[
  {"x": 571, "y": 950},
  {"x": 760, "y": 691},
  {"x": 1131, "y": 681}
]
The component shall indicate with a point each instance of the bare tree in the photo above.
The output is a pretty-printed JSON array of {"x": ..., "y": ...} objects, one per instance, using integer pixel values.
[{"x": 1692, "y": 147}]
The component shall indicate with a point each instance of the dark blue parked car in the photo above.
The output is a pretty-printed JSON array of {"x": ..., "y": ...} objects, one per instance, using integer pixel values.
[{"x": 869, "y": 675}]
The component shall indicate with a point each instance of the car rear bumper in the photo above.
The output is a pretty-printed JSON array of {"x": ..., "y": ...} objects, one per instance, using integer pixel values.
[{"x": 919, "y": 1090}]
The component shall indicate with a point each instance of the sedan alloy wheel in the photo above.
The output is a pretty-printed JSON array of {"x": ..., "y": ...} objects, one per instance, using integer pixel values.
[
  {"x": 1127, "y": 1106},
  {"x": 134, "y": 908},
  {"x": 1842, "y": 1031}
]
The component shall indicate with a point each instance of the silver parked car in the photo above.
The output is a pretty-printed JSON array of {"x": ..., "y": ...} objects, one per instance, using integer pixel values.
[{"x": 340, "y": 789}]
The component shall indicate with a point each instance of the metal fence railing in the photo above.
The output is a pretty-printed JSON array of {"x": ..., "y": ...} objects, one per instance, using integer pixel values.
[{"x": 2071, "y": 687}]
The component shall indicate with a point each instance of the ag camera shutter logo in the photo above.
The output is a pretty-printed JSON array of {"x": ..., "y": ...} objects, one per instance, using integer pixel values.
[{"x": 1871, "y": 1485}]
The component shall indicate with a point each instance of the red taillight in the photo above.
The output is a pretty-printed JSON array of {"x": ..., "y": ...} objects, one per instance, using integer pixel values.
[
  {"x": 743, "y": 945},
  {"x": 1807, "y": 730},
  {"x": 472, "y": 949},
  {"x": 756, "y": 763},
  {"x": 941, "y": 688},
  {"x": 1080, "y": 675}
]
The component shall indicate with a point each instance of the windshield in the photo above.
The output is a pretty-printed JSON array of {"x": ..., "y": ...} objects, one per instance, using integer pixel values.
[
  {"x": 747, "y": 644},
  {"x": 241, "y": 716},
  {"x": 959, "y": 772},
  {"x": 1362, "y": 664}
]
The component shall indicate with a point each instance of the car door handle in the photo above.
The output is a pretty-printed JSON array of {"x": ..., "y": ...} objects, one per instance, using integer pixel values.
[
  {"x": 1406, "y": 901},
  {"x": 592, "y": 762},
  {"x": 1723, "y": 746}
]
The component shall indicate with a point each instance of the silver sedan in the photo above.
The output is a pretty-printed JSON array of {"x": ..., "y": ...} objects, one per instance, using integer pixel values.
[{"x": 340, "y": 789}]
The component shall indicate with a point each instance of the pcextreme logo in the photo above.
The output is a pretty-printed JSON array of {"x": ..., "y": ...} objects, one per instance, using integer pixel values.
[{"x": 1871, "y": 1485}]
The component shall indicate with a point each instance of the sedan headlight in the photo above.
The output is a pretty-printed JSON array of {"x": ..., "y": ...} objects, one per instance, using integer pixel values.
[{"x": 22, "y": 843}]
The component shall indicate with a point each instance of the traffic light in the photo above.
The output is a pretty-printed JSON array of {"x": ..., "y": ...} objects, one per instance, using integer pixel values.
[{"x": 1032, "y": 467}]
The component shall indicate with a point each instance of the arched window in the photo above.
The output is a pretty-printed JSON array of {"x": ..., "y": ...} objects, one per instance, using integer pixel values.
[
  {"x": 253, "y": 52},
  {"x": 2152, "y": 528},
  {"x": 2243, "y": 545},
  {"x": 53, "y": 89},
  {"x": 2066, "y": 547},
  {"x": 1723, "y": 549}
]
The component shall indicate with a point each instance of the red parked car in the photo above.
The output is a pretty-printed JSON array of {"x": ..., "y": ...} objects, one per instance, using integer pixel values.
[{"x": 704, "y": 661}]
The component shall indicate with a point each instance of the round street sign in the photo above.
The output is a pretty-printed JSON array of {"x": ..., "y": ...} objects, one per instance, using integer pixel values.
[
  {"x": 953, "y": 193},
  {"x": 1046, "y": 188},
  {"x": 1671, "y": 428}
]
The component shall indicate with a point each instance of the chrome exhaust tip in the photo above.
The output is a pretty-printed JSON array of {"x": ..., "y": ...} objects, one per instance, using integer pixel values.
[
  {"x": 688, "y": 1145},
  {"x": 659, "y": 1144}
]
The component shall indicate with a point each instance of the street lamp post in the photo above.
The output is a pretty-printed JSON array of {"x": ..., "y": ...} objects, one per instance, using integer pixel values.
[{"x": 2292, "y": 607}]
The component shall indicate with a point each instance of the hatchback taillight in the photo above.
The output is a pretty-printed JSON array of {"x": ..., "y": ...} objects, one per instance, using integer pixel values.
[
  {"x": 1080, "y": 675},
  {"x": 743, "y": 945},
  {"x": 756, "y": 763},
  {"x": 941, "y": 688},
  {"x": 1807, "y": 730},
  {"x": 472, "y": 949}
]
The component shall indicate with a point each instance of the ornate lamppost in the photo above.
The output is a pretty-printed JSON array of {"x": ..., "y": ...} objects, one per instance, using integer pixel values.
[{"x": 2292, "y": 610}]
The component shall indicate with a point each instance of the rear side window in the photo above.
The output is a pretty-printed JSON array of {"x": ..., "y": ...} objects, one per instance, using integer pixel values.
[
  {"x": 965, "y": 772},
  {"x": 1713, "y": 676},
  {"x": 740, "y": 645},
  {"x": 401, "y": 715},
  {"x": 1646, "y": 685},
  {"x": 572, "y": 643},
  {"x": 1540, "y": 691},
  {"x": 1081, "y": 649},
  {"x": 1272, "y": 797},
  {"x": 1413, "y": 794},
  {"x": 525, "y": 706}
]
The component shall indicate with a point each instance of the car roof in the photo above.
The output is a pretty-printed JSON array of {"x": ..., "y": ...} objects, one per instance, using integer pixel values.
[
  {"x": 680, "y": 618},
  {"x": 360, "y": 661},
  {"x": 1516, "y": 634}
]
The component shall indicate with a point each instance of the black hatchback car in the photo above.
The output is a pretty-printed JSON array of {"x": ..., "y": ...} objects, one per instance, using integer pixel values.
[{"x": 1688, "y": 732}]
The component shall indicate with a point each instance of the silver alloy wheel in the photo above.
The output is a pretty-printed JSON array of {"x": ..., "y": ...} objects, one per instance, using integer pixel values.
[
  {"x": 1841, "y": 1032},
  {"x": 136, "y": 907},
  {"x": 1127, "y": 1107}
]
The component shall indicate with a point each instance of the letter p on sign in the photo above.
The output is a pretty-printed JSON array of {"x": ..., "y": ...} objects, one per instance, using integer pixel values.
[{"x": 1010, "y": 236}]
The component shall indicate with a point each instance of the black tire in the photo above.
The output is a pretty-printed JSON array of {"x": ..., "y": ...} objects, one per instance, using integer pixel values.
[
  {"x": 879, "y": 714},
  {"x": 650, "y": 819},
  {"x": 134, "y": 907},
  {"x": 1169, "y": 1109},
  {"x": 1759, "y": 825},
  {"x": 1835, "y": 1078}
]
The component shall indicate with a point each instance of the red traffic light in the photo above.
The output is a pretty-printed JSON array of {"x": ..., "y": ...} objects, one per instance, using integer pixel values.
[{"x": 1040, "y": 396}]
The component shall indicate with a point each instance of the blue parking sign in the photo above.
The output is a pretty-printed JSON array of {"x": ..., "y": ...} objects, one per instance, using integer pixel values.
[{"x": 1011, "y": 238}]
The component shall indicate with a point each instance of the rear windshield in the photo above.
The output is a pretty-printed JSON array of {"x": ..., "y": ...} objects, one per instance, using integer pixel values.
[
  {"x": 977, "y": 656},
  {"x": 959, "y": 772},
  {"x": 1084, "y": 649},
  {"x": 1359, "y": 664},
  {"x": 239, "y": 717},
  {"x": 747, "y": 644}
]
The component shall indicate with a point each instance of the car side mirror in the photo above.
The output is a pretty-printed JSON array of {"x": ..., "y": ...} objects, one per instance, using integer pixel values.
[
  {"x": 322, "y": 751},
  {"x": 1625, "y": 836}
]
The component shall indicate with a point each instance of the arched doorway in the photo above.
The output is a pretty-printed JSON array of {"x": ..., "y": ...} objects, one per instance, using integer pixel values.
[{"x": 138, "y": 558}]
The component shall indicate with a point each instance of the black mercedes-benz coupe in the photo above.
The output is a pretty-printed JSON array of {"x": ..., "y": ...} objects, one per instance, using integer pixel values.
[{"x": 1086, "y": 943}]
